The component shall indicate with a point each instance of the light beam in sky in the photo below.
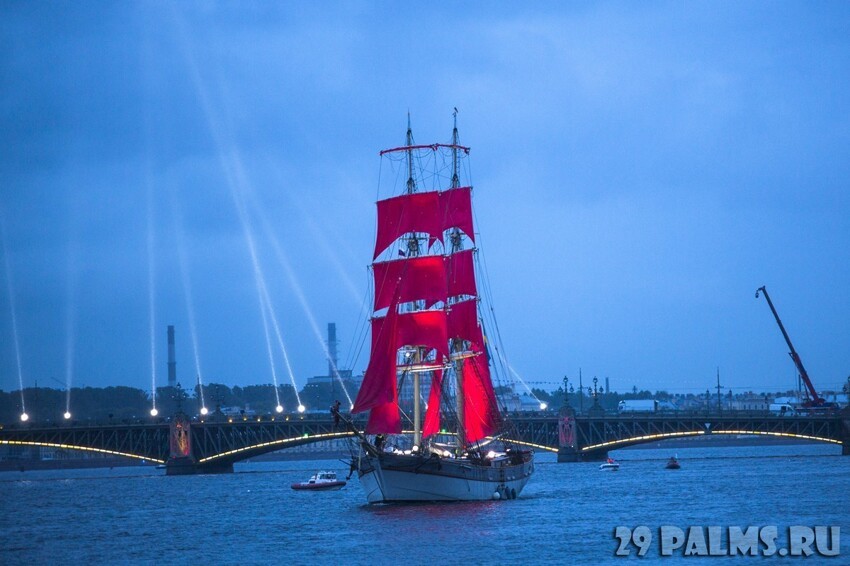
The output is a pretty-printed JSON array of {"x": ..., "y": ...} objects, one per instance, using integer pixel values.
[{"x": 10, "y": 290}]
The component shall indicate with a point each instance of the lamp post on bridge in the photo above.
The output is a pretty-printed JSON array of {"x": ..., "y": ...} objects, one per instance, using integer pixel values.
[{"x": 596, "y": 410}]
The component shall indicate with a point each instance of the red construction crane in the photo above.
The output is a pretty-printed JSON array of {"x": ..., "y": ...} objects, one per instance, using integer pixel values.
[{"x": 816, "y": 401}]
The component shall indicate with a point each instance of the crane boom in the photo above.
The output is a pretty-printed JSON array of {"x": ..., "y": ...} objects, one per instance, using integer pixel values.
[{"x": 817, "y": 400}]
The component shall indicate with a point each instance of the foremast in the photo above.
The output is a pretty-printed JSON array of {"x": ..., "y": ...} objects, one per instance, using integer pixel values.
[{"x": 413, "y": 251}]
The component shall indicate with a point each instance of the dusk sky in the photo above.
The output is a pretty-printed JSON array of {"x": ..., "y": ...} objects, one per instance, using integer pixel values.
[{"x": 639, "y": 170}]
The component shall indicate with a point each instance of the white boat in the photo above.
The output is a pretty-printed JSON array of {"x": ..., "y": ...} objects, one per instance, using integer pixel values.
[
  {"x": 426, "y": 332},
  {"x": 321, "y": 481},
  {"x": 610, "y": 465}
]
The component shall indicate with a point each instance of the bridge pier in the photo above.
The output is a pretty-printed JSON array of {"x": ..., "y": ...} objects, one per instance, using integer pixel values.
[
  {"x": 187, "y": 467},
  {"x": 570, "y": 454},
  {"x": 569, "y": 445},
  {"x": 182, "y": 462}
]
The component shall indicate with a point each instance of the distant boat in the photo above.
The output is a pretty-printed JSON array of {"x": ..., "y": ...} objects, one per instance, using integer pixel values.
[
  {"x": 672, "y": 464},
  {"x": 160, "y": 466},
  {"x": 610, "y": 465},
  {"x": 322, "y": 481}
]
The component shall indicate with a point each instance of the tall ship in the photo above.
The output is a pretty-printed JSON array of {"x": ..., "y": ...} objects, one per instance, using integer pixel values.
[{"x": 428, "y": 341}]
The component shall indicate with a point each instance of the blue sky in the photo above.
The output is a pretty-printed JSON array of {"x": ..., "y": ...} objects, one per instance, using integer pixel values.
[{"x": 639, "y": 170}]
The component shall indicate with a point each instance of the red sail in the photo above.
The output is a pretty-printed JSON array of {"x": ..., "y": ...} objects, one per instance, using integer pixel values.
[
  {"x": 480, "y": 411},
  {"x": 417, "y": 212},
  {"x": 379, "y": 391},
  {"x": 413, "y": 279},
  {"x": 463, "y": 322},
  {"x": 423, "y": 328},
  {"x": 384, "y": 419},
  {"x": 432, "y": 413},
  {"x": 379, "y": 384},
  {"x": 456, "y": 210},
  {"x": 461, "y": 274}
]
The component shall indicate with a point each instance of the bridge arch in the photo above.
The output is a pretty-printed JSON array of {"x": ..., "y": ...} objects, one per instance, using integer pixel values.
[
  {"x": 643, "y": 439},
  {"x": 250, "y": 451},
  {"x": 96, "y": 450}
]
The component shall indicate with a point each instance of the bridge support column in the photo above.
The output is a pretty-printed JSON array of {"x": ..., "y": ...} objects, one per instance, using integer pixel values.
[
  {"x": 568, "y": 454},
  {"x": 188, "y": 466},
  {"x": 181, "y": 462},
  {"x": 568, "y": 443}
]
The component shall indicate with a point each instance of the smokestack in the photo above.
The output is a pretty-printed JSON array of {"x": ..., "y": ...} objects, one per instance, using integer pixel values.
[
  {"x": 172, "y": 364},
  {"x": 331, "y": 348},
  {"x": 607, "y": 386}
]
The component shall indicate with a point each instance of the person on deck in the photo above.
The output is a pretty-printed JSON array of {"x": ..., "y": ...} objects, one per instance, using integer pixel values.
[{"x": 335, "y": 412}]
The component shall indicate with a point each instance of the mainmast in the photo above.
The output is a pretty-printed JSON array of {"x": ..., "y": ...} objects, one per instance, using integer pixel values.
[
  {"x": 457, "y": 344},
  {"x": 413, "y": 251}
]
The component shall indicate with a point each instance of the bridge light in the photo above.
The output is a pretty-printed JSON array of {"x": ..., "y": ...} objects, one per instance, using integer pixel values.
[
  {"x": 301, "y": 408},
  {"x": 204, "y": 410},
  {"x": 279, "y": 409},
  {"x": 67, "y": 415},
  {"x": 543, "y": 406},
  {"x": 154, "y": 412},
  {"x": 25, "y": 417}
]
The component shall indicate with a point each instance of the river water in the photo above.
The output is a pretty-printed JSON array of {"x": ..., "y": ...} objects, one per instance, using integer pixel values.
[{"x": 566, "y": 514}]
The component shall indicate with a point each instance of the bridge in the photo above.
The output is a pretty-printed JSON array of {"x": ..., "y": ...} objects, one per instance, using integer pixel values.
[
  {"x": 580, "y": 438},
  {"x": 187, "y": 447}
]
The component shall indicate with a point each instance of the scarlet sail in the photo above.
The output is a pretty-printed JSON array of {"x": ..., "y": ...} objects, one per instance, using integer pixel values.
[
  {"x": 427, "y": 282},
  {"x": 417, "y": 278},
  {"x": 480, "y": 412},
  {"x": 431, "y": 213},
  {"x": 416, "y": 212}
]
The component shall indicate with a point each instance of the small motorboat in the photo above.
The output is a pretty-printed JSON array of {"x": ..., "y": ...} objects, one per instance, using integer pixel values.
[
  {"x": 321, "y": 481},
  {"x": 610, "y": 465},
  {"x": 672, "y": 464}
]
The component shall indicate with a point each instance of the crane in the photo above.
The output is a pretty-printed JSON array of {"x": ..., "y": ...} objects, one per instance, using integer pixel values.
[{"x": 816, "y": 400}]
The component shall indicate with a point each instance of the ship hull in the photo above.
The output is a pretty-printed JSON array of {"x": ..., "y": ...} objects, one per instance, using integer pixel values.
[{"x": 398, "y": 478}]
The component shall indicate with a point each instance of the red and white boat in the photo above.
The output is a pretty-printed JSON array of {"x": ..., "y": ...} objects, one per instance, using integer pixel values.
[{"x": 322, "y": 481}]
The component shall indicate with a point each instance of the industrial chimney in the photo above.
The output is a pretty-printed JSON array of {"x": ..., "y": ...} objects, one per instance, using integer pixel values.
[
  {"x": 331, "y": 349},
  {"x": 172, "y": 364}
]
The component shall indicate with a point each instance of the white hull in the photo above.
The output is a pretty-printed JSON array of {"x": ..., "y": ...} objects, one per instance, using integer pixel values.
[{"x": 396, "y": 478}]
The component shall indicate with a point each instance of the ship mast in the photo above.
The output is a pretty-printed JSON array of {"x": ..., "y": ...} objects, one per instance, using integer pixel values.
[
  {"x": 457, "y": 344},
  {"x": 413, "y": 251}
]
